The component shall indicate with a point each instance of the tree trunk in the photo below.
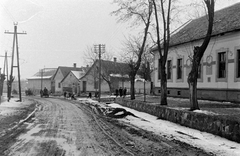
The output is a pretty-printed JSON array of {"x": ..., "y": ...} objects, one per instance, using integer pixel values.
[
  {"x": 163, "y": 86},
  {"x": 198, "y": 53},
  {"x": 193, "y": 96},
  {"x": 110, "y": 87},
  {"x": 132, "y": 87},
  {"x": 192, "y": 83}
]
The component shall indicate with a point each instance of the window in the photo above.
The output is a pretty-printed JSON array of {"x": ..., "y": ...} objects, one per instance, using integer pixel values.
[
  {"x": 168, "y": 92},
  {"x": 238, "y": 63},
  {"x": 222, "y": 65},
  {"x": 169, "y": 69},
  {"x": 159, "y": 69},
  {"x": 179, "y": 68},
  {"x": 59, "y": 85}
]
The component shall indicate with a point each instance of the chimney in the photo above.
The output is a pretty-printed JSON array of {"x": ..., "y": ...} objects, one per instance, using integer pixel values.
[
  {"x": 74, "y": 65},
  {"x": 115, "y": 59}
]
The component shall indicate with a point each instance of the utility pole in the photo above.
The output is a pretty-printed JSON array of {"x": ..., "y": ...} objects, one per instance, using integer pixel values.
[
  {"x": 100, "y": 50},
  {"x": 41, "y": 78},
  {"x": 5, "y": 65},
  {"x": 15, "y": 39}
]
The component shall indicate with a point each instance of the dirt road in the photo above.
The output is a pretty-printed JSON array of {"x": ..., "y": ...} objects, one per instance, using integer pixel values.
[{"x": 62, "y": 127}]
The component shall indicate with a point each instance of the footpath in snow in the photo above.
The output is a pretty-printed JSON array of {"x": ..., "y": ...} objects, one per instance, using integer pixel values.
[{"x": 211, "y": 143}]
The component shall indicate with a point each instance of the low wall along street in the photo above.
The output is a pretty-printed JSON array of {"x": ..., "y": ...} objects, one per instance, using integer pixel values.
[{"x": 214, "y": 124}]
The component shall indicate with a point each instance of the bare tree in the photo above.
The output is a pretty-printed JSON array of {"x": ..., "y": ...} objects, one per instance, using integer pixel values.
[
  {"x": 163, "y": 43},
  {"x": 140, "y": 13},
  {"x": 91, "y": 56},
  {"x": 197, "y": 56}
]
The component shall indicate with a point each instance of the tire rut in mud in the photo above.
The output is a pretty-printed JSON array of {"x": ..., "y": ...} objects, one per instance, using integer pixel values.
[{"x": 142, "y": 142}]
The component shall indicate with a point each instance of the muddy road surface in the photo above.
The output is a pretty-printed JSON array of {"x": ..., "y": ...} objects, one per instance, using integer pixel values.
[{"x": 71, "y": 128}]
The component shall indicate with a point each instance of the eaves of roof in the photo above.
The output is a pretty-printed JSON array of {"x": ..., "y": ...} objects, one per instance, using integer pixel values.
[{"x": 226, "y": 21}]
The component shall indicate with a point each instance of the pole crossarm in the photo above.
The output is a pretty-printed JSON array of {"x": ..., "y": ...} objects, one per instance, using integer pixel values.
[{"x": 14, "y": 33}]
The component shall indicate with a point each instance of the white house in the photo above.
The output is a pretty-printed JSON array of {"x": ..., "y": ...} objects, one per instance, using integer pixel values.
[
  {"x": 71, "y": 82},
  {"x": 59, "y": 75},
  {"x": 219, "y": 74},
  {"x": 41, "y": 79}
]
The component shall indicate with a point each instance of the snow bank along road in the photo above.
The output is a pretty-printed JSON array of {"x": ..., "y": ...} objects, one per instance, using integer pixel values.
[{"x": 63, "y": 127}]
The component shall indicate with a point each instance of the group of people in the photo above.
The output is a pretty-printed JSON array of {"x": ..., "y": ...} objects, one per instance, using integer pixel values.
[
  {"x": 121, "y": 92},
  {"x": 69, "y": 95},
  {"x": 44, "y": 92}
]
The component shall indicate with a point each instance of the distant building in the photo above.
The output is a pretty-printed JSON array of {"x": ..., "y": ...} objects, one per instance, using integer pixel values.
[
  {"x": 117, "y": 73},
  {"x": 219, "y": 72},
  {"x": 41, "y": 79},
  {"x": 60, "y": 74},
  {"x": 71, "y": 82}
]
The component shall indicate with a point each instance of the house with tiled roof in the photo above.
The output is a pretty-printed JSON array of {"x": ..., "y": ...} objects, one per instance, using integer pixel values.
[
  {"x": 113, "y": 71},
  {"x": 219, "y": 72},
  {"x": 59, "y": 75},
  {"x": 71, "y": 82},
  {"x": 117, "y": 73},
  {"x": 43, "y": 78}
]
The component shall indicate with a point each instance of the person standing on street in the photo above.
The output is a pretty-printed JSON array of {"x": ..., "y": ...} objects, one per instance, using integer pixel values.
[
  {"x": 120, "y": 91},
  {"x": 116, "y": 92},
  {"x": 124, "y": 92}
]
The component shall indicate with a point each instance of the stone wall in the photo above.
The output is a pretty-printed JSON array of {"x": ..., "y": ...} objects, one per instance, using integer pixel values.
[{"x": 218, "y": 125}]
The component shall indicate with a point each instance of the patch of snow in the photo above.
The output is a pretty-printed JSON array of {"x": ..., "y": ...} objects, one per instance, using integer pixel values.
[
  {"x": 8, "y": 108},
  {"x": 205, "y": 112},
  {"x": 206, "y": 141},
  {"x": 119, "y": 113}
]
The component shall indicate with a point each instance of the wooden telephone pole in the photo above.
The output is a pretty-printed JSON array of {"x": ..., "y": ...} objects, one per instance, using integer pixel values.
[
  {"x": 15, "y": 40},
  {"x": 99, "y": 50},
  {"x": 5, "y": 65}
]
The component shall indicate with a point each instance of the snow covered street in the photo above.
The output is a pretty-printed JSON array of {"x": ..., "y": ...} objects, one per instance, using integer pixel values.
[{"x": 212, "y": 144}]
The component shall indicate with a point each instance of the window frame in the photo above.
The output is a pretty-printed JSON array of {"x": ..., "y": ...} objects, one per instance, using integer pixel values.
[
  {"x": 182, "y": 70},
  {"x": 221, "y": 79},
  {"x": 171, "y": 70},
  {"x": 237, "y": 64}
]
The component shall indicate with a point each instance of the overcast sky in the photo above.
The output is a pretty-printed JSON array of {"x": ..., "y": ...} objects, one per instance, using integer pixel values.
[{"x": 59, "y": 31}]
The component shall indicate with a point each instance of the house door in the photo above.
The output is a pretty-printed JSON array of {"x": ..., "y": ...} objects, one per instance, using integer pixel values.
[
  {"x": 53, "y": 86},
  {"x": 84, "y": 86}
]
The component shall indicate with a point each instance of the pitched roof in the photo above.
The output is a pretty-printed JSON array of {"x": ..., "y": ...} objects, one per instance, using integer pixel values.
[
  {"x": 225, "y": 20},
  {"x": 115, "y": 67},
  {"x": 45, "y": 73},
  {"x": 66, "y": 70},
  {"x": 111, "y": 67},
  {"x": 77, "y": 74}
]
